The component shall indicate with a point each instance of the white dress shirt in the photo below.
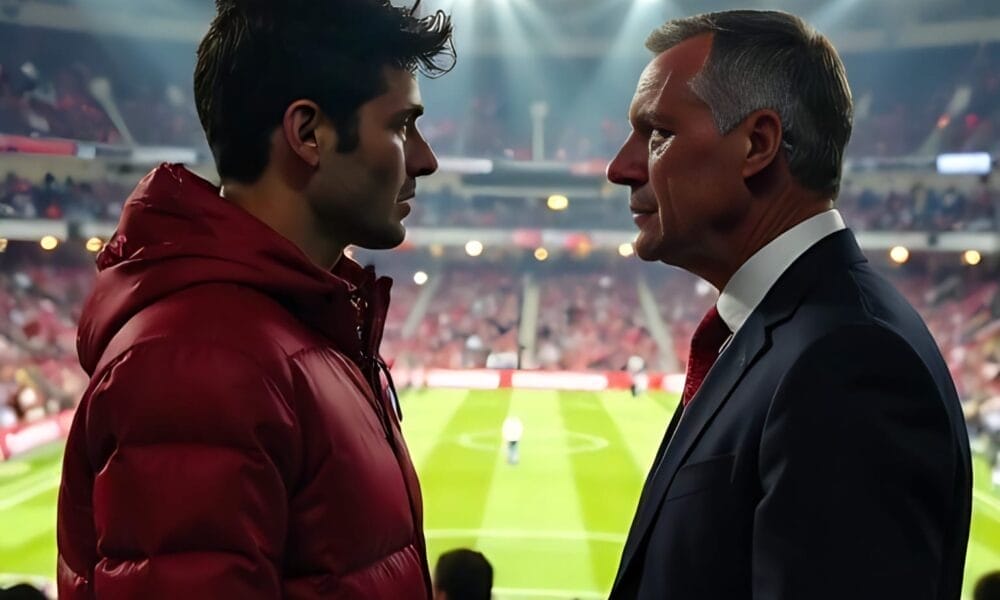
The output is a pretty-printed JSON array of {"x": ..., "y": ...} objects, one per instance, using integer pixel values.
[{"x": 751, "y": 282}]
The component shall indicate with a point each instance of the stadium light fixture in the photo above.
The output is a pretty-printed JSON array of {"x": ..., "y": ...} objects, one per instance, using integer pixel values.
[
  {"x": 972, "y": 257},
  {"x": 420, "y": 278},
  {"x": 976, "y": 163},
  {"x": 558, "y": 202},
  {"x": 541, "y": 254},
  {"x": 474, "y": 248},
  {"x": 899, "y": 255},
  {"x": 626, "y": 250},
  {"x": 95, "y": 244},
  {"x": 49, "y": 242}
]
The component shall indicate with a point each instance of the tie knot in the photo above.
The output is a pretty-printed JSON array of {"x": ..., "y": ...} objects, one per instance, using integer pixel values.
[
  {"x": 705, "y": 344},
  {"x": 710, "y": 334}
]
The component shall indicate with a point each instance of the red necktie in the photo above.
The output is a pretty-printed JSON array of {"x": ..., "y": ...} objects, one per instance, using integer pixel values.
[{"x": 705, "y": 344}]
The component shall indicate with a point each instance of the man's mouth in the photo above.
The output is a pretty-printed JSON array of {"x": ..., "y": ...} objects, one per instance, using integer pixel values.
[{"x": 407, "y": 193}]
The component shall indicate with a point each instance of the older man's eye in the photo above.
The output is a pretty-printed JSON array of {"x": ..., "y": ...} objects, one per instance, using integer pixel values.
[{"x": 659, "y": 137}]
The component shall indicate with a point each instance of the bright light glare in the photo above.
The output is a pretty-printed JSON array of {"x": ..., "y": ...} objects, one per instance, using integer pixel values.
[
  {"x": 558, "y": 202},
  {"x": 972, "y": 257},
  {"x": 420, "y": 278},
  {"x": 899, "y": 255},
  {"x": 95, "y": 244},
  {"x": 541, "y": 254},
  {"x": 49, "y": 242},
  {"x": 626, "y": 250},
  {"x": 474, "y": 248}
]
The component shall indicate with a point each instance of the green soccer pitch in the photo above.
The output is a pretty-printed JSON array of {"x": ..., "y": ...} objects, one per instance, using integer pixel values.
[{"x": 553, "y": 526}]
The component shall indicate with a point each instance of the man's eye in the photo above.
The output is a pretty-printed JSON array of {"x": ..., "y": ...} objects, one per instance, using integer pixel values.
[{"x": 662, "y": 133}]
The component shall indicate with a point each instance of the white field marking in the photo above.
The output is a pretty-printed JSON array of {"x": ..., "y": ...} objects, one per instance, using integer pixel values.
[
  {"x": 14, "y": 469},
  {"x": 14, "y": 486},
  {"x": 528, "y": 534},
  {"x": 29, "y": 493},
  {"x": 489, "y": 441},
  {"x": 987, "y": 499},
  {"x": 540, "y": 593},
  {"x": 12, "y": 578}
]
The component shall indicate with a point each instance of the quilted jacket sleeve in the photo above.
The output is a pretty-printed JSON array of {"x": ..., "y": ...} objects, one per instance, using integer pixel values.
[{"x": 194, "y": 448}]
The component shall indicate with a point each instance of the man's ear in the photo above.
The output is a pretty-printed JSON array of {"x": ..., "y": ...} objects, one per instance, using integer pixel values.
[
  {"x": 764, "y": 134},
  {"x": 301, "y": 127}
]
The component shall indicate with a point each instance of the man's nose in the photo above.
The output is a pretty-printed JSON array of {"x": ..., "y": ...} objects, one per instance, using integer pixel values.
[
  {"x": 630, "y": 165},
  {"x": 420, "y": 158}
]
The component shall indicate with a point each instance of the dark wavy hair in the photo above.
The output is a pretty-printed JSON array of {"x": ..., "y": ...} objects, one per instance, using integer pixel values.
[{"x": 259, "y": 56}]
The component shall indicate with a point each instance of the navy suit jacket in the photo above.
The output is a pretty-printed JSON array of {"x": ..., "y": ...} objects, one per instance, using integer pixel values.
[{"x": 825, "y": 456}]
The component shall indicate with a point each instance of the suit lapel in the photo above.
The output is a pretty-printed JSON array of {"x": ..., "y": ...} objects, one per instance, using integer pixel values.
[
  {"x": 671, "y": 428},
  {"x": 749, "y": 344},
  {"x": 714, "y": 391}
]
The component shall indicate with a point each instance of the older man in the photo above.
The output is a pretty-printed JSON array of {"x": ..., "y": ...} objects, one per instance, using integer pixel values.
[{"x": 819, "y": 450}]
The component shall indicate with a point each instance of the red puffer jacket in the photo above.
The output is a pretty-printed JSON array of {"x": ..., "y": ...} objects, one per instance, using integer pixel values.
[{"x": 235, "y": 441}]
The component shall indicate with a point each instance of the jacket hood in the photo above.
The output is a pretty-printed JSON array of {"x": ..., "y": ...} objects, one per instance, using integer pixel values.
[{"x": 176, "y": 231}]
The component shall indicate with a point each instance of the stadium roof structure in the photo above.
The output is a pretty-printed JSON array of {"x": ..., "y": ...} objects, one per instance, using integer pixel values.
[{"x": 572, "y": 28}]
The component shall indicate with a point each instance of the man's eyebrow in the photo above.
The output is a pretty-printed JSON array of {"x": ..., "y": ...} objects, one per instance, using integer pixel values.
[
  {"x": 413, "y": 111},
  {"x": 643, "y": 116}
]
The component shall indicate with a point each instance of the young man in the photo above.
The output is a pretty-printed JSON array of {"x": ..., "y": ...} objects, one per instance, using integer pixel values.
[
  {"x": 819, "y": 450},
  {"x": 236, "y": 439}
]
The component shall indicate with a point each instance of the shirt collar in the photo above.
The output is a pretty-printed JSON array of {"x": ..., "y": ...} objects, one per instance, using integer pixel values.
[{"x": 751, "y": 282}]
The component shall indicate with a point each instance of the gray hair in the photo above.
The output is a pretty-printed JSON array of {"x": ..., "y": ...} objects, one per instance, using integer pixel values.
[{"x": 773, "y": 60}]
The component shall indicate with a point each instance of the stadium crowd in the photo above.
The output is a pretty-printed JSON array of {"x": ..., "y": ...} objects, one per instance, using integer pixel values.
[
  {"x": 39, "y": 372},
  {"x": 916, "y": 207},
  {"x": 589, "y": 318},
  {"x": 60, "y": 84}
]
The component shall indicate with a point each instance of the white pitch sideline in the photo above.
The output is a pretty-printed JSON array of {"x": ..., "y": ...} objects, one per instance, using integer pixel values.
[
  {"x": 504, "y": 593},
  {"x": 529, "y": 534},
  {"x": 29, "y": 492}
]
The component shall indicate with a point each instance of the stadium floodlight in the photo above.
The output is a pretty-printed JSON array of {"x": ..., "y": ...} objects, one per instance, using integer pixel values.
[
  {"x": 899, "y": 254},
  {"x": 474, "y": 248},
  {"x": 49, "y": 242},
  {"x": 3, "y": 244},
  {"x": 541, "y": 254},
  {"x": 420, "y": 278},
  {"x": 626, "y": 250},
  {"x": 558, "y": 202},
  {"x": 95, "y": 244},
  {"x": 972, "y": 257},
  {"x": 975, "y": 163}
]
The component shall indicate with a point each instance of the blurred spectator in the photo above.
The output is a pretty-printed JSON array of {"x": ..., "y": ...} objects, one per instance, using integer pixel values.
[
  {"x": 22, "y": 591},
  {"x": 988, "y": 587},
  {"x": 463, "y": 574}
]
